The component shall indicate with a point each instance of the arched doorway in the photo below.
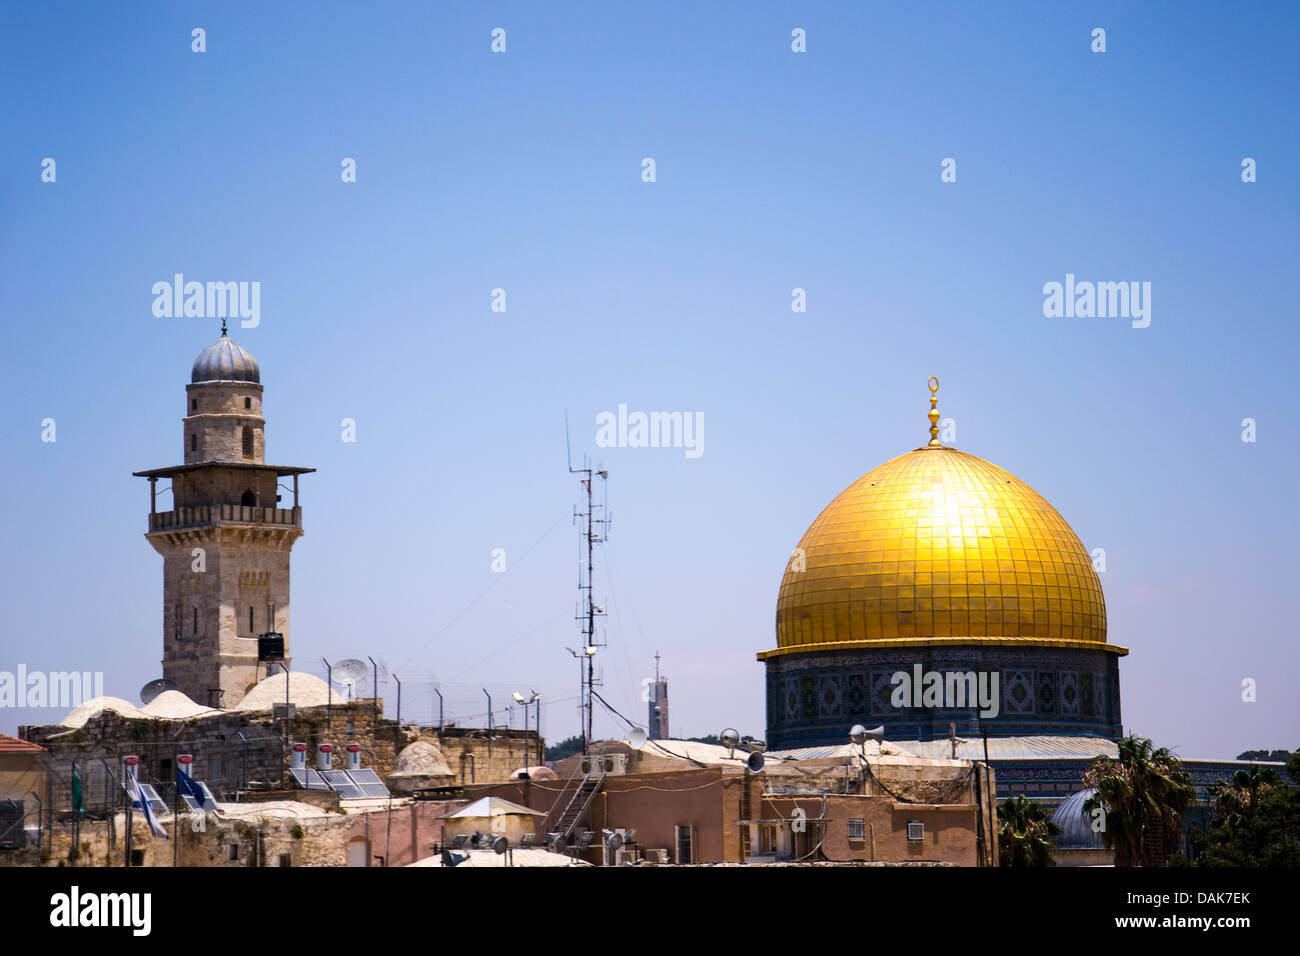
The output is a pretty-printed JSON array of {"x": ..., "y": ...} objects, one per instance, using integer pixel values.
[{"x": 358, "y": 854}]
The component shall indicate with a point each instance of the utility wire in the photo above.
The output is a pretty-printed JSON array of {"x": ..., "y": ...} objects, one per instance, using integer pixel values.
[{"x": 498, "y": 579}]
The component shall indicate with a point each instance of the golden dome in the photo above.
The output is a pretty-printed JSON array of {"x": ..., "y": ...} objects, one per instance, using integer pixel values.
[{"x": 938, "y": 547}]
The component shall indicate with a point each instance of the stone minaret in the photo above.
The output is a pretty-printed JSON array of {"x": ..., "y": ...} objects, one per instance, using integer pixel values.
[
  {"x": 657, "y": 707},
  {"x": 225, "y": 541}
]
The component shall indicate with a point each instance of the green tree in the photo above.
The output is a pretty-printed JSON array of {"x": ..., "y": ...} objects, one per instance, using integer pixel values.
[
  {"x": 1236, "y": 802},
  {"x": 1143, "y": 795},
  {"x": 565, "y": 748},
  {"x": 1026, "y": 835},
  {"x": 1256, "y": 820},
  {"x": 1272, "y": 756}
]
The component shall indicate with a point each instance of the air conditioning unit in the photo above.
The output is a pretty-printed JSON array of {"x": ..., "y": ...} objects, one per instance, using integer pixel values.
[{"x": 616, "y": 764}]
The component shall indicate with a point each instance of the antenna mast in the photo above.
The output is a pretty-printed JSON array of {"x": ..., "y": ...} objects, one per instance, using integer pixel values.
[{"x": 594, "y": 531}]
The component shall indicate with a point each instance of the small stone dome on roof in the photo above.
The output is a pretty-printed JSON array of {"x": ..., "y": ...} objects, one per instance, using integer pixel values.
[
  {"x": 421, "y": 759},
  {"x": 224, "y": 361},
  {"x": 174, "y": 705},
  {"x": 305, "y": 690},
  {"x": 83, "y": 712}
]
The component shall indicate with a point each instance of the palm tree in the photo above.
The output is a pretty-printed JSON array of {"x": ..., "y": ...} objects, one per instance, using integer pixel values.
[
  {"x": 1025, "y": 833},
  {"x": 1143, "y": 795},
  {"x": 1235, "y": 802}
]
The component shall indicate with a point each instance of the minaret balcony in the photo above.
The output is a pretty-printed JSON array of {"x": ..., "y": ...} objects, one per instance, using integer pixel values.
[{"x": 224, "y": 514}]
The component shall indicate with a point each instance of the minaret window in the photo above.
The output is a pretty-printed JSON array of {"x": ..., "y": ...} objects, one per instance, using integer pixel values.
[
  {"x": 194, "y": 443},
  {"x": 194, "y": 404},
  {"x": 248, "y": 442},
  {"x": 248, "y": 402},
  {"x": 248, "y": 499}
]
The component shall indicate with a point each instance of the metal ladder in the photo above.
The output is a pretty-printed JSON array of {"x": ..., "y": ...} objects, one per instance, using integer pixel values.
[{"x": 577, "y": 805}]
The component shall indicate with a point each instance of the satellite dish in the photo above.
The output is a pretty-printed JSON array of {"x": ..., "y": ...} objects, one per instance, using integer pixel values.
[
  {"x": 637, "y": 738},
  {"x": 349, "y": 673},
  {"x": 150, "y": 691}
]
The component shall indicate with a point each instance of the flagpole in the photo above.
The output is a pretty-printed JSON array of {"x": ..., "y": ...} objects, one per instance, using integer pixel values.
[
  {"x": 176, "y": 816},
  {"x": 129, "y": 828},
  {"x": 76, "y": 821}
]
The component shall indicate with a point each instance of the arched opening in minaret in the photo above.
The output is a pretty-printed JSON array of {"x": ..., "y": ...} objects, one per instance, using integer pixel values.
[
  {"x": 248, "y": 499},
  {"x": 248, "y": 442}
]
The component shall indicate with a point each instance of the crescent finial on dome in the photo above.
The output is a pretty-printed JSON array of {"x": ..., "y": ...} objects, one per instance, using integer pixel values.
[{"x": 933, "y": 382}]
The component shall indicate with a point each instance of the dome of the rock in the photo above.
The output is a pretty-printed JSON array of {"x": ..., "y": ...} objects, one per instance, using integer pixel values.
[
  {"x": 938, "y": 545},
  {"x": 932, "y": 579}
]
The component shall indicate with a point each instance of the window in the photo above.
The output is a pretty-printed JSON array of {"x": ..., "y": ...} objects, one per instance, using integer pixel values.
[
  {"x": 196, "y": 620},
  {"x": 683, "y": 843},
  {"x": 137, "y": 857},
  {"x": 194, "y": 404},
  {"x": 250, "y": 619},
  {"x": 856, "y": 829},
  {"x": 248, "y": 499},
  {"x": 284, "y": 860},
  {"x": 915, "y": 831},
  {"x": 165, "y": 768},
  {"x": 194, "y": 443},
  {"x": 248, "y": 402},
  {"x": 232, "y": 852},
  {"x": 248, "y": 442}
]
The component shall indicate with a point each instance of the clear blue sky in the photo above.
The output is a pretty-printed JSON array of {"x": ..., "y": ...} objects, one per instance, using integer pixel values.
[{"x": 775, "y": 170}]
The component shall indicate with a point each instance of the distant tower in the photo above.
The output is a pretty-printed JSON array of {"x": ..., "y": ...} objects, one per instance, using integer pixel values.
[
  {"x": 225, "y": 542},
  {"x": 657, "y": 709}
]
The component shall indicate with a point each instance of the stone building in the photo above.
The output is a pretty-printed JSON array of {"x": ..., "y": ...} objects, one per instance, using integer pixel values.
[
  {"x": 225, "y": 541},
  {"x": 689, "y": 802}
]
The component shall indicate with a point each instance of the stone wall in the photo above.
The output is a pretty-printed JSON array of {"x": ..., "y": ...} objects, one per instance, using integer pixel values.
[
  {"x": 205, "y": 840},
  {"x": 224, "y": 760},
  {"x": 216, "y": 425}
]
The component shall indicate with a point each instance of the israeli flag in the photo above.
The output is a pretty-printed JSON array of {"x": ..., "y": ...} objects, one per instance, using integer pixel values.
[{"x": 133, "y": 789}]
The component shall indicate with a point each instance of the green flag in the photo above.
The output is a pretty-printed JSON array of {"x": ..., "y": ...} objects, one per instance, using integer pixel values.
[{"x": 76, "y": 790}]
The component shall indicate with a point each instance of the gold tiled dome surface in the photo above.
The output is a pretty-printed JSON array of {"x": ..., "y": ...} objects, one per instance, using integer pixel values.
[{"x": 940, "y": 547}]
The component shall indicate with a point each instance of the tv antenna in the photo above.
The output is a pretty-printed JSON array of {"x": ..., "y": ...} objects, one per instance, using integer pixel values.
[{"x": 594, "y": 530}]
